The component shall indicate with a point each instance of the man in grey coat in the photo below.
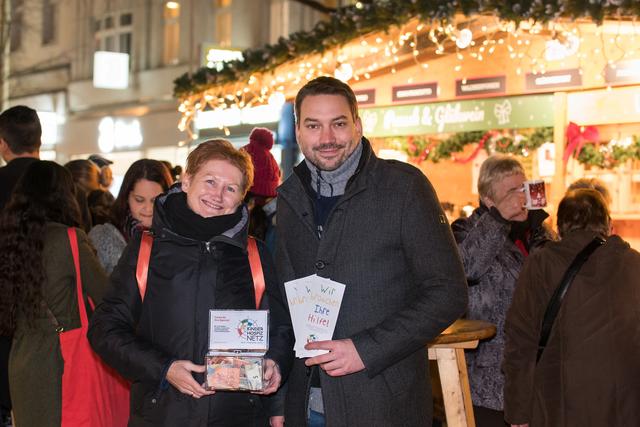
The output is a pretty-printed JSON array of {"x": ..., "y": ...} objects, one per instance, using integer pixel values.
[{"x": 377, "y": 227}]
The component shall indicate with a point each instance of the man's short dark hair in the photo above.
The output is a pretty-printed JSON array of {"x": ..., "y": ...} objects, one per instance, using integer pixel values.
[
  {"x": 583, "y": 209},
  {"x": 20, "y": 128},
  {"x": 326, "y": 86}
]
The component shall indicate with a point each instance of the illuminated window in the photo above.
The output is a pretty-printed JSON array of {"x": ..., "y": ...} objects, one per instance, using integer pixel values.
[
  {"x": 171, "y": 32},
  {"x": 113, "y": 33},
  {"x": 223, "y": 29}
]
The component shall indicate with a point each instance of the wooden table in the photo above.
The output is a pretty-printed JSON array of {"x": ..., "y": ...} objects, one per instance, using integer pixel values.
[{"x": 448, "y": 352}]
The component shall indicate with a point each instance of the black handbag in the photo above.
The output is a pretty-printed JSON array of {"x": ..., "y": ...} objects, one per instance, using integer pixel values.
[{"x": 556, "y": 300}]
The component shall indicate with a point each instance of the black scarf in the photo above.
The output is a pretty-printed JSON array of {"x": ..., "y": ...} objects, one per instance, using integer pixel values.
[{"x": 187, "y": 223}]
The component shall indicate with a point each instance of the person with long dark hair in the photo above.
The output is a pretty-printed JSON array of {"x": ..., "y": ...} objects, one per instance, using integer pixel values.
[
  {"x": 20, "y": 141},
  {"x": 37, "y": 282},
  {"x": 132, "y": 210}
]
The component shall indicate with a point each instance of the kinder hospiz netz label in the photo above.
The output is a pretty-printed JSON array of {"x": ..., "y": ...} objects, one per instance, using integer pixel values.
[{"x": 239, "y": 329}]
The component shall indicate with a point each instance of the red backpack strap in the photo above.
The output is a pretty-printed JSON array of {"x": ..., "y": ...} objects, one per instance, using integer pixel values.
[
  {"x": 142, "y": 268},
  {"x": 256, "y": 270}
]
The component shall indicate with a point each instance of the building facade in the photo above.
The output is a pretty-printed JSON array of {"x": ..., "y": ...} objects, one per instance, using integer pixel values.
[{"x": 100, "y": 72}]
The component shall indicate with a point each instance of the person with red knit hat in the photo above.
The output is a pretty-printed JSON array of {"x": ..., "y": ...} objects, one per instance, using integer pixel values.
[
  {"x": 261, "y": 201},
  {"x": 267, "y": 171},
  {"x": 261, "y": 198}
]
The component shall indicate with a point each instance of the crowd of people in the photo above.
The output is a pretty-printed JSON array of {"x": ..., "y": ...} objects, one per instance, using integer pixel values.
[{"x": 172, "y": 245}]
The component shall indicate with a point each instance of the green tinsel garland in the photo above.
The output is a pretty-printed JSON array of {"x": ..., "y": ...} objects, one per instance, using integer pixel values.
[
  {"x": 607, "y": 156},
  {"x": 604, "y": 155},
  {"x": 420, "y": 149},
  {"x": 351, "y": 22}
]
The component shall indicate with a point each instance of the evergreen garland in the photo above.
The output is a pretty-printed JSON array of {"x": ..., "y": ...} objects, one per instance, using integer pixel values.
[
  {"x": 610, "y": 155},
  {"x": 350, "y": 22},
  {"x": 521, "y": 143}
]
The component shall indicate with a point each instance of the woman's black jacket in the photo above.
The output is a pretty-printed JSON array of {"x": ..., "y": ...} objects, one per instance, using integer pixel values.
[{"x": 186, "y": 278}]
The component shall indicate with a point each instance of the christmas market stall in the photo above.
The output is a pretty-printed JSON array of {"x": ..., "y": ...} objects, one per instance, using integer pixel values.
[{"x": 444, "y": 84}]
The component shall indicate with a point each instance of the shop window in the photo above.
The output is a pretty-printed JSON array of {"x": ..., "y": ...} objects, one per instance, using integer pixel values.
[
  {"x": 49, "y": 19},
  {"x": 114, "y": 33},
  {"x": 17, "y": 10},
  {"x": 171, "y": 32}
]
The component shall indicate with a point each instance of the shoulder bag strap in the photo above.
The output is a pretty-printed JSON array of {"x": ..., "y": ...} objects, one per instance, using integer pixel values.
[
  {"x": 556, "y": 300},
  {"x": 73, "y": 240},
  {"x": 142, "y": 267},
  {"x": 256, "y": 270}
]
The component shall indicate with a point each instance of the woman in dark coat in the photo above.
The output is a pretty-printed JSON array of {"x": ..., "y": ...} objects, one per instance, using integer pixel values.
[
  {"x": 37, "y": 273},
  {"x": 494, "y": 243},
  {"x": 198, "y": 262},
  {"x": 589, "y": 373}
]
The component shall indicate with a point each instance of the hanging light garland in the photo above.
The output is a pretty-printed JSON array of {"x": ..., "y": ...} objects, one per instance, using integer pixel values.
[{"x": 363, "y": 40}]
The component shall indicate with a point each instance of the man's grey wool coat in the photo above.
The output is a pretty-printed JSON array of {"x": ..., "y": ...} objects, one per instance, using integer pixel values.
[{"x": 389, "y": 242}]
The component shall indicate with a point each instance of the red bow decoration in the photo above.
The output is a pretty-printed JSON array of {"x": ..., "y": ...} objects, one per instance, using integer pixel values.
[{"x": 576, "y": 137}]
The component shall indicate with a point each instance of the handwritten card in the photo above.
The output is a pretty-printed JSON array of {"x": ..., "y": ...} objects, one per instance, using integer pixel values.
[{"x": 314, "y": 303}]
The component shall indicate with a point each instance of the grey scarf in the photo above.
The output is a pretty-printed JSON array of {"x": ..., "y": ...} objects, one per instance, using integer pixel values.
[{"x": 333, "y": 183}]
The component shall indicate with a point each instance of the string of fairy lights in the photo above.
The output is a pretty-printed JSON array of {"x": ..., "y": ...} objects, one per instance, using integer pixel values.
[{"x": 531, "y": 46}]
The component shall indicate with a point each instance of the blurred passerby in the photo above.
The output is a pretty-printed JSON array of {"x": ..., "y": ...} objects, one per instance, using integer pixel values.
[
  {"x": 593, "y": 183},
  {"x": 174, "y": 171},
  {"x": 132, "y": 210},
  {"x": 38, "y": 288},
  {"x": 100, "y": 204},
  {"x": 261, "y": 198},
  {"x": 588, "y": 373},
  {"x": 20, "y": 140},
  {"x": 86, "y": 176},
  {"x": 106, "y": 174},
  {"x": 85, "y": 173}
]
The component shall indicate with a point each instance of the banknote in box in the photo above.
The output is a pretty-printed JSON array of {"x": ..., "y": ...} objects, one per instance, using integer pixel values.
[
  {"x": 238, "y": 341},
  {"x": 234, "y": 372}
]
